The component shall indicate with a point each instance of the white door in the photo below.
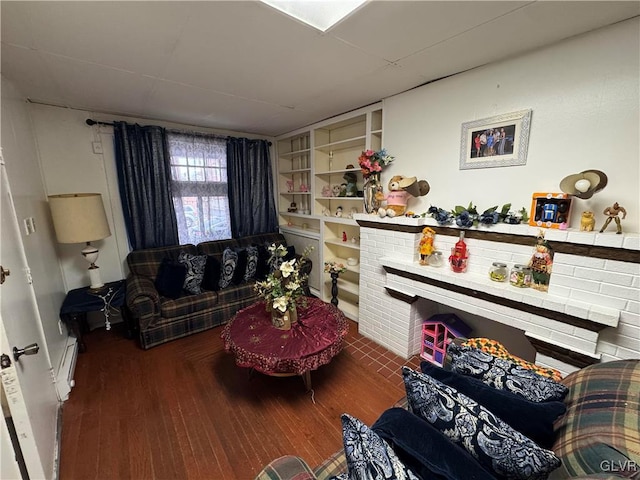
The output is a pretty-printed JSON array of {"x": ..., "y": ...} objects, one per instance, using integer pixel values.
[{"x": 28, "y": 383}]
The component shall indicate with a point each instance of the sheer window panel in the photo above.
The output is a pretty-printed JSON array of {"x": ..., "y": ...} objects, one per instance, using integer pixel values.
[{"x": 199, "y": 186}]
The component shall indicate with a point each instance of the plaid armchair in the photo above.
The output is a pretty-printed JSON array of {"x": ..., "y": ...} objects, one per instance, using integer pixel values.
[{"x": 597, "y": 438}]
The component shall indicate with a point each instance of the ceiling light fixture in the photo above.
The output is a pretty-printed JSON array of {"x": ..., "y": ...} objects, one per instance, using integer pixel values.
[{"x": 320, "y": 14}]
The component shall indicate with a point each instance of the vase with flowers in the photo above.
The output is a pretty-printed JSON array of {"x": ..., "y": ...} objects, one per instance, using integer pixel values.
[
  {"x": 283, "y": 288},
  {"x": 371, "y": 164},
  {"x": 334, "y": 269}
]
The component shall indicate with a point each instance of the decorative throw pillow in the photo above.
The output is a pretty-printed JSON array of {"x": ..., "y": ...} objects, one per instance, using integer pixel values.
[
  {"x": 241, "y": 266},
  {"x": 491, "y": 441},
  {"x": 425, "y": 450},
  {"x": 252, "y": 263},
  {"x": 496, "y": 349},
  {"x": 229, "y": 262},
  {"x": 504, "y": 374},
  {"x": 195, "y": 271},
  {"x": 170, "y": 279},
  {"x": 211, "y": 280},
  {"x": 291, "y": 253},
  {"x": 369, "y": 456},
  {"x": 533, "y": 420},
  {"x": 262, "y": 269}
]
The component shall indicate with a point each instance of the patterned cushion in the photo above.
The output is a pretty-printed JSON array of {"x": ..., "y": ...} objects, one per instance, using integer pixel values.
[
  {"x": 170, "y": 279},
  {"x": 532, "y": 419},
  {"x": 504, "y": 374},
  {"x": 212, "y": 271},
  {"x": 241, "y": 266},
  {"x": 491, "y": 441},
  {"x": 498, "y": 350},
  {"x": 229, "y": 262},
  {"x": 368, "y": 455},
  {"x": 601, "y": 431},
  {"x": 195, "y": 271},
  {"x": 252, "y": 263}
]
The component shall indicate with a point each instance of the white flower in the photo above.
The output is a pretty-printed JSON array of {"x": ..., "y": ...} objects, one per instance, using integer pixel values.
[
  {"x": 293, "y": 286},
  {"x": 280, "y": 303},
  {"x": 287, "y": 268}
]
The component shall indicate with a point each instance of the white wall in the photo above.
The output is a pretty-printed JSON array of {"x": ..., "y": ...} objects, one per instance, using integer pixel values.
[
  {"x": 20, "y": 154},
  {"x": 584, "y": 94},
  {"x": 70, "y": 165}
]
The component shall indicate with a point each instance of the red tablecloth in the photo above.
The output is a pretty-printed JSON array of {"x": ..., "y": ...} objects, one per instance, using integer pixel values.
[{"x": 312, "y": 341}]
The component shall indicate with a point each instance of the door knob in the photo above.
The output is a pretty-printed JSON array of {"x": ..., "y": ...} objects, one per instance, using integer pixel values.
[{"x": 28, "y": 350}]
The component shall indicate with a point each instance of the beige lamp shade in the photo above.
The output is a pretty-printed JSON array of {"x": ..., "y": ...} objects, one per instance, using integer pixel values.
[{"x": 79, "y": 217}]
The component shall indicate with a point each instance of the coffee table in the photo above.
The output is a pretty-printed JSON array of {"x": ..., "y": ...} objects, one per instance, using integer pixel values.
[{"x": 312, "y": 341}]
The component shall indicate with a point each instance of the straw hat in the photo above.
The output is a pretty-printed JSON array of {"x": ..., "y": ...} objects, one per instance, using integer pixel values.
[
  {"x": 415, "y": 187},
  {"x": 584, "y": 184}
]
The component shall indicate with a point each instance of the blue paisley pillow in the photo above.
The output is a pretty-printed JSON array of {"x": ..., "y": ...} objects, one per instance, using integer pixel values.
[
  {"x": 252, "y": 263},
  {"x": 195, "y": 271},
  {"x": 228, "y": 267},
  {"x": 491, "y": 441},
  {"x": 369, "y": 456},
  {"x": 504, "y": 374}
]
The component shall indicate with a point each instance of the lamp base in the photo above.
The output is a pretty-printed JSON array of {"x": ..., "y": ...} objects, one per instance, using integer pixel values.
[{"x": 94, "y": 276}]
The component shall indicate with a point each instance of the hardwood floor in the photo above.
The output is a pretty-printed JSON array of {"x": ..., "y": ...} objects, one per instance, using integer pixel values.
[{"x": 183, "y": 410}]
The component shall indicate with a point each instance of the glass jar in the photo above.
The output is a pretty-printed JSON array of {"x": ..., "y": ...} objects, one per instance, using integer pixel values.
[
  {"x": 498, "y": 272},
  {"x": 520, "y": 276},
  {"x": 435, "y": 259}
]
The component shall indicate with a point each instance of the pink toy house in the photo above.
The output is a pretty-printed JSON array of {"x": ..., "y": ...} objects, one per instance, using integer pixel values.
[{"x": 437, "y": 333}]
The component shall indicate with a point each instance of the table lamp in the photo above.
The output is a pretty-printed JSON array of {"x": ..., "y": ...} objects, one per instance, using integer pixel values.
[{"x": 80, "y": 218}]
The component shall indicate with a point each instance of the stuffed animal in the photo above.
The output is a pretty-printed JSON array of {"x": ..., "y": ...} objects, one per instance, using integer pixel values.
[
  {"x": 352, "y": 189},
  {"x": 400, "y": 189},
  {"x": 335, "y": 190},
  {"x": 326, "y": 191}
]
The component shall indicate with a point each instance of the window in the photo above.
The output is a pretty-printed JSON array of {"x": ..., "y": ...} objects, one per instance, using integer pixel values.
[{"x": 199, "y": 185}]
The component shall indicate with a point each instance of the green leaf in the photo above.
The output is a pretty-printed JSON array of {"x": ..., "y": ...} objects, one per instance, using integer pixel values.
[
  {"x": 525, "y": 216},
  {"x": 491, "y": 210}
]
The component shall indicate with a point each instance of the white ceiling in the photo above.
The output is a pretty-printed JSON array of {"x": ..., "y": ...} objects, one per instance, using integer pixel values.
[{"x": 244, "y": 66}]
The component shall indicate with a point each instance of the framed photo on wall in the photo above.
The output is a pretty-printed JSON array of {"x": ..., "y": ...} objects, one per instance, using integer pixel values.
[{"x": 499, "y": 141}]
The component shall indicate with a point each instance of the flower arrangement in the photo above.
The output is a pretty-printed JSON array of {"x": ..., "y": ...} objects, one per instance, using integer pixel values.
[
  {"x": 334, "y": 267},
  {"x": 372, "y": 162},
  {"x": 285, "y": 284},
  {"x": 467, "y": 217}
]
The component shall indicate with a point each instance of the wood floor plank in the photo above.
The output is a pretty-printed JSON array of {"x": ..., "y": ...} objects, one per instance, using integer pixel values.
[{"x": 184, "y": 410}]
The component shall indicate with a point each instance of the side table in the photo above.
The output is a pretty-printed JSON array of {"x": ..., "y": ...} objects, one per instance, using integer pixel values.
[{"x": 80, "y": 301}]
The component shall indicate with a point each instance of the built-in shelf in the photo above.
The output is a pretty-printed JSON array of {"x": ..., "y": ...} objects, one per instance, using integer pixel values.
[
  {"x": 336, "y": 172},
  {"x": 341, "y": 144},
  {"x": 350, "y": 268},
  {"x": 305, "y": 232},
  {"x": 305, "y": 151},
  {"x": 347, "y": 244},
  {"x": 340, "y": 220},
  {"x": 294, "y": 170}
]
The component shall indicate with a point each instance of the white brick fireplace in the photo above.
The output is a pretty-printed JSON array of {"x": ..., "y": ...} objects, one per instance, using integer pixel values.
[{"x": 591, "y": 312}]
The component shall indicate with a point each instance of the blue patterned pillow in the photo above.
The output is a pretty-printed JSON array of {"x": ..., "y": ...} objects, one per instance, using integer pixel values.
[
  {"x": 369, "y": 456},
  {"x": 491, "y": 441},
  {"x": 195, "y": 271},
  {"x": 229, "y": 262},
  {"x": 252, "y": 263},
  {"x": 504, "y": 374},
  {"x": 532, "y": 419}
]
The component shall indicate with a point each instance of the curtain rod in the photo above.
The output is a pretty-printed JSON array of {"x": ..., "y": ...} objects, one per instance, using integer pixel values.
[{"x": 92, "y": 122}]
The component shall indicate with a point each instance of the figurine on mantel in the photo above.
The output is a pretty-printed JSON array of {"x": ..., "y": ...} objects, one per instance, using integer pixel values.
[
  {"x": 612, "y": 214},
  {"x": 541, "y": 263},
  {"x": 426, "y": 244}
]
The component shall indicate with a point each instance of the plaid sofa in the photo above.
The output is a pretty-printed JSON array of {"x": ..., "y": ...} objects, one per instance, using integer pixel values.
[
  {"x": 597, "y": 438},
  {"x": 159, "y": 319}
]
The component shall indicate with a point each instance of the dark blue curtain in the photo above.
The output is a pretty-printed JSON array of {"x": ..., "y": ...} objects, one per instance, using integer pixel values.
[
  {"x": 251, "y": 197},
  {"x": 144, "y": 178}
]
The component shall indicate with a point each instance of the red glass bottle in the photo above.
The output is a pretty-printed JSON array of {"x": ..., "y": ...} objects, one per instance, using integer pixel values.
[{"x": 459, "y": 255}]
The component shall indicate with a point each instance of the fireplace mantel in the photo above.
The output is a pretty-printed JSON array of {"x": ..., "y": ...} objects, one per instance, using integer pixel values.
[{"x": 591, "y": 311}]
